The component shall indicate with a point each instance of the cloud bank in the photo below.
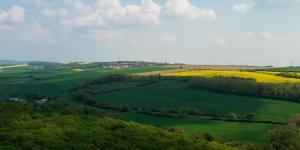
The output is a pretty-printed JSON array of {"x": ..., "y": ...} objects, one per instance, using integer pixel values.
[
  {"x": 16, "y": 14},
  {"x": 148, "y": 12}
]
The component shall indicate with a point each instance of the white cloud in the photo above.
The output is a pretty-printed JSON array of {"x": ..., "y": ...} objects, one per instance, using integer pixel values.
[
  {"x": 168, "y": 39},
  {"x": 243, "y": 7},
  {"x": 89, "y": 20},
  {"x": 15, "y": 14},
  {"x": 148, "y": 12},
  {"x": 80, "y": 7},
  {"x": 268, "y": 36},
  {"x": 184, "y": 9},
  {"x": 59, "y": 12}
]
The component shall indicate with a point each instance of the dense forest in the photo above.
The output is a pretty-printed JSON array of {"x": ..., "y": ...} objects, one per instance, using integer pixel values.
[
  {"x": 249, "y": 87},
  {"x": 63, "y": 125}
]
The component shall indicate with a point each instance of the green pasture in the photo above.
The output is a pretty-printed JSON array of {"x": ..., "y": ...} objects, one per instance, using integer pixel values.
[
  {"x": 176, "y": 94},
  {"x": 55, "y": 82},
  {"x": 228, "y": 130}
]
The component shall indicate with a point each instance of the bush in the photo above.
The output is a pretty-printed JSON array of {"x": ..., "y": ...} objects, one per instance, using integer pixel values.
[
  {"x": 251, "y": 116},
  {"x": 232, "y": 116}
]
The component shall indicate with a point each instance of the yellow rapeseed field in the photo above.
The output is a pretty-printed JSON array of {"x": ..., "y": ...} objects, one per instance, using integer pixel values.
[
  {"x": 83, "y": 63},
  {"x": 258, "y": 76},
  {"x": 13, "y": 66},
  {"x": 78, "y": 70}
]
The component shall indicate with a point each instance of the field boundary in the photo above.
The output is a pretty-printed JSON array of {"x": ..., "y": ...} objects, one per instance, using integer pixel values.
[{"x": 187, "y": 116}]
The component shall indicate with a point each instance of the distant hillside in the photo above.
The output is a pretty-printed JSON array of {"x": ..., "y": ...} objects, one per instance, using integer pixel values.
[
  {"x": 10, "y": 62},
  {"x": 287, "y": 69}
]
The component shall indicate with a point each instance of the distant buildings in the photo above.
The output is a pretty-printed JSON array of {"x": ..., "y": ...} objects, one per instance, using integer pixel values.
[
  {"x": 127, "y": 64},
  {"x": 14, "y": 99},
  {"x": 116, "y": 66},
  {"x": 35, "y": 67},
  {"x": 40, "y": 101}
]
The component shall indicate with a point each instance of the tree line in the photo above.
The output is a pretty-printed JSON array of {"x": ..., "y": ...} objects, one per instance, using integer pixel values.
[{"x": 248, "y": 87}]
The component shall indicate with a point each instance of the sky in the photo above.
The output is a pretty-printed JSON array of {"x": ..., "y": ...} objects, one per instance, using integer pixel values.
[{"x": 239, "y": 32}]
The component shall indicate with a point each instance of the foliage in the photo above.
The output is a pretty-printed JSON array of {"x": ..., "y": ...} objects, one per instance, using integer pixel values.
[
  {"x": 251, "y": 116},
  {"x": 290, "y": 74},
  {"x": 288, "y": 136},
  {"x": 286, "y": 91},
  {"x": 27, "y": 129},
  {"x": 111, "y": 83},
  {"x": 233, "y": 116}
]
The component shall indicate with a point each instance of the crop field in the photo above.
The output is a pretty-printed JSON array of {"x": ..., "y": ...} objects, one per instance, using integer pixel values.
[
  {"x": 172, "y": 94},
  {"x": 268, "y": 77},
  {"x": 228, "y": 130},
  {"x": 55, "y": 82},
  {"x": 78, "y": 70},
  {"x": 13, "y": 66},
  {"x": 176, "y": 94}
]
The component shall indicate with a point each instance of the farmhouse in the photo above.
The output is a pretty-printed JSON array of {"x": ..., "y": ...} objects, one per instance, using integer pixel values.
[
  {"x": 117, "y": 66},
  {"x": 42, "y": 101},
  {"x": 14, "y": 99}
]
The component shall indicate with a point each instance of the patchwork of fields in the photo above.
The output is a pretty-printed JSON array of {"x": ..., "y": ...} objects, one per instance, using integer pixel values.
[
  {"x": 55, "y": 82},
  {"x": 164, "y": 94}
]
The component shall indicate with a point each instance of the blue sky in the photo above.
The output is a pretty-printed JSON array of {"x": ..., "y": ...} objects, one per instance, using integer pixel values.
[{"x": 252, "y": 32}]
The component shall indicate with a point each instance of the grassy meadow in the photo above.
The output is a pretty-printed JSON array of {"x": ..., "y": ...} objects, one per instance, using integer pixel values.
[
  {"x": 176, "y": 94},
  {"x": 229, "y": 130},
  {"x": 55, "y": 82}
]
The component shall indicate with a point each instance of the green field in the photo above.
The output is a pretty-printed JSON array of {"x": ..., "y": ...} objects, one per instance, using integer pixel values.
[
  {"x": 55, "y": 82},
  {"x": 176, "y": 94},
  {"x": 228, "y": 130}
]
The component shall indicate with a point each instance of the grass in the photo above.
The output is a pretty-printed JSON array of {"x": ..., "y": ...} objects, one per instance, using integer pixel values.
[
  {"x": 258, "y": 76},
  {"x": 176, "y": 94},
  {"x": 228, "y": 130},
  {"x": 78, "y": 70},
  {"x": 55, "y": 82},
  {"x": 13, "y": 66}
]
